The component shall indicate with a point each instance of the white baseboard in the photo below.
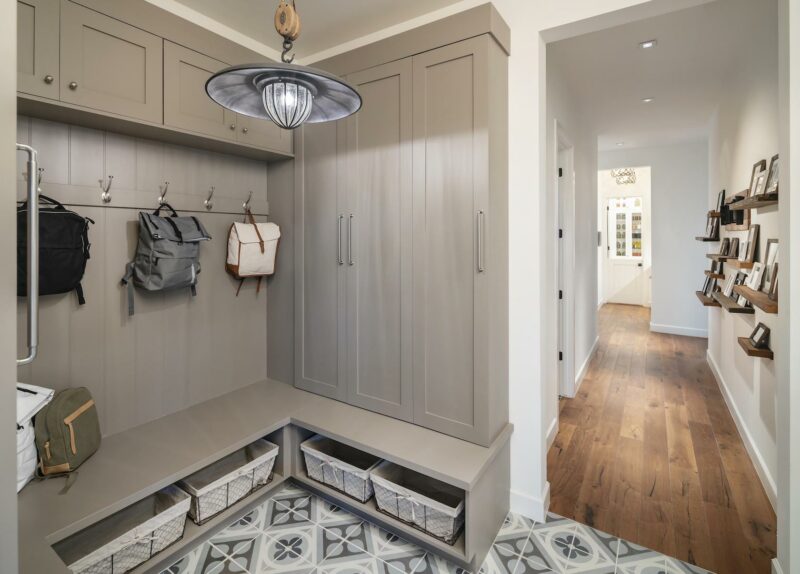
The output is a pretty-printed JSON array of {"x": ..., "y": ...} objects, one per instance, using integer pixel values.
[
  {"x": 755, "y": 455},
  {"x": 776, "y": 567},
  {"x": 585, "y": 366},
  {"x": 552, "y": 432},
  {"x": 676, "y": 330},
  {"x": 530, "y": 506}
]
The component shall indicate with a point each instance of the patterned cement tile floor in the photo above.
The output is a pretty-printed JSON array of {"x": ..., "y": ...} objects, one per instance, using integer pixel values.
[{"x": 295, "y": 532}]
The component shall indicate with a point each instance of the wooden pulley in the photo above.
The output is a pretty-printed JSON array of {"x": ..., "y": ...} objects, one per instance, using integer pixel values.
[{"x": 287, "y": 21}]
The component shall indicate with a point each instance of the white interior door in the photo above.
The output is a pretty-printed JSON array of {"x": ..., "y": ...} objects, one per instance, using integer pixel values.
[{"x": 625, "y": 274}]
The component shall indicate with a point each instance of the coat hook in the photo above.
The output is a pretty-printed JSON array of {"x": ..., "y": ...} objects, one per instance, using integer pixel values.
[
  {"x": 40, "y": 171},
  {"x": 208, "y": 203},
  {"x": 246, "y": 204},
  {"x": 164, "y": 188},
  {"x": 106, "y": 195}
]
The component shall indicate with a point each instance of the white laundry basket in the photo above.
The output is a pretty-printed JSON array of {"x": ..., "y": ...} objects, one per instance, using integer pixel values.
[
  {"x": 30, "y": 400},
  {"x": 225, "y": 482},
  {"x": 433, "y": 506},
  {"x": 128, "y": 538},
  {"x": 339, "y": 466}
]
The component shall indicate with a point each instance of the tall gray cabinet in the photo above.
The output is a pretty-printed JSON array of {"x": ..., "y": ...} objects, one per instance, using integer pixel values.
[{"x": 401, "y": 248}]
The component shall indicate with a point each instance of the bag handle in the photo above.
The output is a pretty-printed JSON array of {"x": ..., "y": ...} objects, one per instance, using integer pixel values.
[
  {"x": 168, "y": 206},
  {"x": 45, "y": 199},
  {"x": 248, "y": 218}
]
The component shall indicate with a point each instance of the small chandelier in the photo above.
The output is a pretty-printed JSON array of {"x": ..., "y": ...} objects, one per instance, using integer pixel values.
[
  {"x": 288, "y": 94},
  {"x": 624, "y": 176}
]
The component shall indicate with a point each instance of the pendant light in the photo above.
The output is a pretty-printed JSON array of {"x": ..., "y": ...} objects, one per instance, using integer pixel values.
[{"x": 288, "y": 94}]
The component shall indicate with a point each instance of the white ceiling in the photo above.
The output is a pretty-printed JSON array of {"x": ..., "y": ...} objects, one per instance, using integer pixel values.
[
  {"x": 326, "y": 23},
  {"x": 609, "y": 74}
]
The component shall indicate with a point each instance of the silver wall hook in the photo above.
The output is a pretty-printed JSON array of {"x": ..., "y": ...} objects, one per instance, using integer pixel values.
[
  {"x": 40, "y": 171},
  {"x": 164, "y": 188},
  {"x": 246, "y": 204},
  {"x": 208, "y": 202},
  {"x": 106, "y": 195}
]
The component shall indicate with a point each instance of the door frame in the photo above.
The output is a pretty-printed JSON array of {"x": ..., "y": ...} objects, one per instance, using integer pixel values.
[{"x": 564, "y": 186}]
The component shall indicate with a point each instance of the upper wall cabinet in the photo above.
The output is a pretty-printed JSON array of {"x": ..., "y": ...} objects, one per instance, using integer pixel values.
[
  {"x": 263, "y": 134},
  {"x": 186, "y": 104},
  {"x": 37, "y": 47},
  {"x": 109, "y": 65}
]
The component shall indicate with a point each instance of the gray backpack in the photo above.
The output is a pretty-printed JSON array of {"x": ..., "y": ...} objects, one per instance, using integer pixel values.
[{"x": 168, "y": 254}]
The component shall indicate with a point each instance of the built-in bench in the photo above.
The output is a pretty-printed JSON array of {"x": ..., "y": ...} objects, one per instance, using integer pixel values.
[{"x": 133, "y": 464}]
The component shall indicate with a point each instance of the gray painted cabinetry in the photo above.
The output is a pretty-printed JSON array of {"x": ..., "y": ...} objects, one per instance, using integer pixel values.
[
  {"x": 37, "y": 47},
  {"x": 401, "y": 265}
]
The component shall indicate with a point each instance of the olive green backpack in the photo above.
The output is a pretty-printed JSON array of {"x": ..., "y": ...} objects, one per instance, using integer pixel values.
[{"x": 67, "y": 432}]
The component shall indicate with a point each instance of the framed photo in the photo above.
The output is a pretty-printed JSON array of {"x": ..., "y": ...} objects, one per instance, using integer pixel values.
[
  {"x": 752, "y": 242},
  {"x": 716, "y": 266},
  {"x": 760, "y": 184},
  {"x": 770, "y": 261},
  {"x": 720, "y": 200},
  {"x": 760, "y": 336},
  {"x": 759, "y": 167},
  {"x": 773, "y": 175},
  {"x": 733, "y": 250},
  {"x": 729, "y": 283},
  {"x": 756, "y": 275},
  {"x": 773, "y": 291},
  {"x": 724, "y": 246},
  {"x": 705, "y": 285},
  {"x": 743, "y": 246},
  {"x": 710, "y": 287}
]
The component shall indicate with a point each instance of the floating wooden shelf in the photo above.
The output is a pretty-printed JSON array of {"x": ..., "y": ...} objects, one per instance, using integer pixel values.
[
  {"x": 701, "y": 238},
  {"x": 714, "y": 275},
  {"x": 730, "y": 304},
  {"x": 740, "y": 264},
  {"x": 717, "y": 257},
  {"x": 744, "y": 343},
  {"x": 706, "y": 301},
  {"x": 713, "y": 213},
  {"x": 755, "y": 202},
  {"x": 757, "y": 298}
]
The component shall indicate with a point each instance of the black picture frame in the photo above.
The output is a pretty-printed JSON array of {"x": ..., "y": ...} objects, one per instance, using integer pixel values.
[
  {"x": 759, "y": 338},
  {"x": 720, "y": 201}
]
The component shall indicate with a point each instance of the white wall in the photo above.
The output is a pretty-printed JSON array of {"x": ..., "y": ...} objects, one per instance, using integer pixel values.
[
  {"x": 679, "y": 200},
  {"x": 745, "y": 130},
  {"x": 580, "y": 236}
]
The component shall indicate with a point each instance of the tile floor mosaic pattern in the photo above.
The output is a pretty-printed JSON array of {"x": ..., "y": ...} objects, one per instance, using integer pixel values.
[{"x": 296, "y": 532}]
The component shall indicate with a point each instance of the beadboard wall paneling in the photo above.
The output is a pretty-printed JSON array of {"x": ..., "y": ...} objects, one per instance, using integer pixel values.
[{"x": 177, "y": 350}]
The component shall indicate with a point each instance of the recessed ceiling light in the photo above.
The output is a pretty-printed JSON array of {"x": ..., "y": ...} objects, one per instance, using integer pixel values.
[
  {"x": 648, "y": 100},
  {"x": 647, "y": 44},
  {"x": 620, "y": 144}
]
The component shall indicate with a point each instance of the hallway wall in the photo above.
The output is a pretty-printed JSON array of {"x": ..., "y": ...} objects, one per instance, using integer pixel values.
[
  {"x": 744, "y": 130},
  {"x": 679, "y": 179},
  {"x": 580, "y": 239}
]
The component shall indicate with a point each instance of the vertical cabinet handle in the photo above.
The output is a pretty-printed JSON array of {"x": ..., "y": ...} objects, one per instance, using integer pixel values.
[
  {"x": 350, "y": 260},
  {"x": 339, "y": 258},
  {"x": 33, "y": 255},
  {"x": 481, "y": 266}
]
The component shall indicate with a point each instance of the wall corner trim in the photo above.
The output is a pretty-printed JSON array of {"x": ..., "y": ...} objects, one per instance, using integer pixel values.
[
  {"x": 585, "y": 366},
  {"x": 677, "y": 330},
  {"x": 531, "y": 506},
  {"x": 755, "y": 455}
]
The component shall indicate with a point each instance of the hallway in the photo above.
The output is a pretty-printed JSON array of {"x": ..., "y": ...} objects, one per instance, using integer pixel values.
[{"x": 648, "y": 451}]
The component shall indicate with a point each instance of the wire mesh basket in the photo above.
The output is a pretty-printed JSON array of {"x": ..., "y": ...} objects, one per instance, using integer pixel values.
[{"x": 339, "y": 466}]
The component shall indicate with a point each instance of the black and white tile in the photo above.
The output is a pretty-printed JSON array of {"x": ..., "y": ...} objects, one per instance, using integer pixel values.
[{"x": 296, "y": 532}]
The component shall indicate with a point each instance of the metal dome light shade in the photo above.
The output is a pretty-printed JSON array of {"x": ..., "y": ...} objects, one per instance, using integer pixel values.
[{"x": 287, "y": 94}]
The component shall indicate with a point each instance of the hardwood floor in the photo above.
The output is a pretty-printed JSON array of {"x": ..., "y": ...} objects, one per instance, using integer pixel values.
[{"x": 648, "y": 451}]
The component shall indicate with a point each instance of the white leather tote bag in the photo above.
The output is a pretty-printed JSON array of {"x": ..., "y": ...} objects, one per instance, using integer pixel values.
[{"x": 252, "y": 248}]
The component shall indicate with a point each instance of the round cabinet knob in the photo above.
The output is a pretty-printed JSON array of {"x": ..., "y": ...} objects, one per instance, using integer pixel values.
[
  {"x": 73, "y": 85},
  {"x": 244, "y": 130},
  {"x": 233, "y": 126},
  {"x": 48, "y": 79}
]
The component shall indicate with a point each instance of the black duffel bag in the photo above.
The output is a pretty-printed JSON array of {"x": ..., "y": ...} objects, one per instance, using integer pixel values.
[{"x": 63, "y": 248}]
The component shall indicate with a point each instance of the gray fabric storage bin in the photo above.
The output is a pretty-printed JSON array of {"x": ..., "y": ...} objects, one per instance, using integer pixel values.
[
  {"x": 340, "y": 466},
  {"x": 433, "y": 506},
  {"x": 225, "y": 482},
  {"x": 128, "y": 538}
]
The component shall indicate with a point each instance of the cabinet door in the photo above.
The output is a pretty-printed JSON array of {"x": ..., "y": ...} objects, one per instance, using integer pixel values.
[
  {"x": 263, "y": 134},
  {"x": 450, "y": 193},
  {"x": 108, "y": 65},
  {"x": 37, "y": 47},
  {"x": 186, "y": 104},
  {"x": 320, "y": 335},
  {"x": 379, "y": 242}
]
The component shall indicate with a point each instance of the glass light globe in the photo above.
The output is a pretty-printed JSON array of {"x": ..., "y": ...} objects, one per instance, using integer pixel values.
[{"x": 287, "y": 103}]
